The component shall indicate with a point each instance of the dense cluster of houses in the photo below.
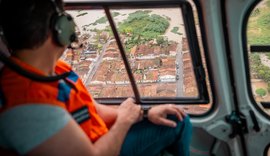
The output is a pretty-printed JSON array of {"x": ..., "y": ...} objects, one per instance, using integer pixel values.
[{"x": 153, "y": 67}]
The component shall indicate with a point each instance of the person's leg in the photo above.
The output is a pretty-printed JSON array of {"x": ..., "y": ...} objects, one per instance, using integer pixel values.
[
  {"x": 181, "y": 145},
  {"x": 145, "y": 138}
]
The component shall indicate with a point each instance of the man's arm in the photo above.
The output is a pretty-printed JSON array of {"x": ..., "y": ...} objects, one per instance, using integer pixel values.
[
  {"x": 107, "y": 113},
  {"x": 71, "y": 140},
  {"x": 157, "y": 114}
]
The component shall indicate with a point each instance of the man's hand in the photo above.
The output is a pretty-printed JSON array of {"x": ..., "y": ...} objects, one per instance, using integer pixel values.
[
  {"x": 158, "y": 114},
  {"x": 129, "y": 112}
]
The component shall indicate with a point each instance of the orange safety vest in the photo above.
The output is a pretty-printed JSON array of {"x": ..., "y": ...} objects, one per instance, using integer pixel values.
[{"x": 70, "y": 94}]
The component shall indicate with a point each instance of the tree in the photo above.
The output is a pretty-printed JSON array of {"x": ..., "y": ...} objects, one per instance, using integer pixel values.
[
  {"x": 162, "y": 41},
  {"x": 261, "y": 92},
  {"x": 268, "y": 87},
  {"x": 141, "y": 23}
]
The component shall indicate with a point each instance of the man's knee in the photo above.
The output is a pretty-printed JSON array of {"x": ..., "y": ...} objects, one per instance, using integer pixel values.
[
  {"x": 182, "y": 137},
  {"x": 184, "y": 127},
  {"x": 186, "y": 121}
]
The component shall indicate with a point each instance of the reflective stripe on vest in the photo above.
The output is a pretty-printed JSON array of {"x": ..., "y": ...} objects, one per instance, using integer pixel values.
[{"x": 81, "y": 115}]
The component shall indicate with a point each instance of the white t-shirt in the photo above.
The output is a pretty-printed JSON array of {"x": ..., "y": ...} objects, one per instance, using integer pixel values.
[{"x": 24, "y": 127}]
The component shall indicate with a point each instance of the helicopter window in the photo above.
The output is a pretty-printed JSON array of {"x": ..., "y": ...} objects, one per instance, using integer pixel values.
[
  {"x": 149, "y": 51},
  {"x": 258, "y": 40}
]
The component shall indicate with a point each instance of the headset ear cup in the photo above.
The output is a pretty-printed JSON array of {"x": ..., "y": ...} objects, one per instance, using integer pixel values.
[{"x": 64, "y": 29}]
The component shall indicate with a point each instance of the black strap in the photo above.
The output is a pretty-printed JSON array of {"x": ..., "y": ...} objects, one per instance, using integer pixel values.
[
  {"x": 260, "y": 48},
  {"x": 35, "y": 77}
]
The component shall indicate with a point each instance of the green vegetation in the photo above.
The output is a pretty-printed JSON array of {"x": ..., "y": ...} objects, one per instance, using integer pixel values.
[
  {"x": 82, "y": 14},
  {"x": 141, "y": 23},
  {"x": 162, "y": 41},
  {"x": 104, "y": 19},
  {"x": 268, "y": 55},
  {"x": 258, "y": 32},
  {"x": 138, "y": 71},
  {"x": 101, "y": 20},
  {"x": 259, "y": 25},
  {"x": 256, "y": 12},
  {"x": 141, "y": 27},
  {"x": 175, "y": 30},
  {"x": 262, "y": 71},
  {"x": 261, "y": 92},
  {"x": 268, "y": 3},
  {"x": 114, "y": 14}
]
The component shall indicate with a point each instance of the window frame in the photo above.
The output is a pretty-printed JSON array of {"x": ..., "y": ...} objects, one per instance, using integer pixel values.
[
  {"x": 253, "y": 49},
  {"x": 195, "y": 53}
]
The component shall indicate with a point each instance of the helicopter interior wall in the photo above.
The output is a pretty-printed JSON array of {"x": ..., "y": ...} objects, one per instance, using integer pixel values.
[
  {"x": 204, "y": 144},
  {"x": 209, "y": 130}
]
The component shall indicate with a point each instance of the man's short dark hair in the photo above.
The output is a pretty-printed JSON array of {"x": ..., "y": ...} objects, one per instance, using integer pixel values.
[{"x": 26, "y": 23}]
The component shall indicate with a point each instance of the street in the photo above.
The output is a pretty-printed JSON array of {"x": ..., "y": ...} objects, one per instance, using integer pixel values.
[
  {"x": 96, "y": 64},
  {"x": 179, "y": 71}
]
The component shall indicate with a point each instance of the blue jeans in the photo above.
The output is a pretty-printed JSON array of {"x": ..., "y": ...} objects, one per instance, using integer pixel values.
[{"x": 147, "y": 139}]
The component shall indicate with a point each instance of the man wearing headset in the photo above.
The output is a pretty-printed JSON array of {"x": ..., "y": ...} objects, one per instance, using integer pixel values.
[{"x": 59, "y": 117}]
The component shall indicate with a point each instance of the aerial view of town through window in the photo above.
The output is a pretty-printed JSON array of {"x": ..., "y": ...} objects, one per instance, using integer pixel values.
[{"x": 155, "y": 43}]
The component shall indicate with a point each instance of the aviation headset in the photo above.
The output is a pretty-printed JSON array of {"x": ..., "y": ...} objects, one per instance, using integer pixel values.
[
  {"x": 63, "y": 27},
  {"x": 63, "y": 30}
]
